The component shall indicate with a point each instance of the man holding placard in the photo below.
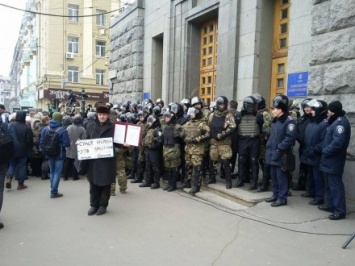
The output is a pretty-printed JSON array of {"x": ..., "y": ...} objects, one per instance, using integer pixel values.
[{"x": 101, "y": 172}]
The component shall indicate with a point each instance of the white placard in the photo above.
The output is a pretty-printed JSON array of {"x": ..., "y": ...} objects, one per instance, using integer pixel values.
[
  {"x": 120, "y": 133},
  {"x": 95, "y": 148},
  {"x": 133, "y": 135}
]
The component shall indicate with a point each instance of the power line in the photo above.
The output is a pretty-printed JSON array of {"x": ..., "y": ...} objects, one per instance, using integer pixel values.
[{"x": 61, "y": 16}]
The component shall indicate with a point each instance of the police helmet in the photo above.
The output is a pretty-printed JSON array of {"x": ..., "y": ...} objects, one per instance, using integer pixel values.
[
  {"x": 169, "y": 114},
  {"x": 177, "y": 109},
  {"x": 195, "y": 112},
  {"x": 280, "y": 102},
  {"x": 260, "y": 100},
  {"x": 153, "y": 120},
  {"x": 196, "y": 100},
  {"x": 157, "y": 110},
  {"x": 318, "y": 106},
  {"x": 250, "y": 104},
  {"x": 221, "y": 103},
  {"x": 305, "y": 102},
  {"x": 159, "y": 101},
  {"x": 132, "y": 118},
  {"x": 186, "y": 102}
]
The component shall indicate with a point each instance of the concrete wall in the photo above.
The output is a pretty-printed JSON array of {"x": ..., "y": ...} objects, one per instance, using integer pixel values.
[
  {"x": 126, "y": 59},
  {"x": 332, "y": 65}
]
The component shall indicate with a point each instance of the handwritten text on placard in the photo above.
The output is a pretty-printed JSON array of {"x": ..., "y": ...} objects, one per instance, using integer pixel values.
[{"x": 95, "y": 148}]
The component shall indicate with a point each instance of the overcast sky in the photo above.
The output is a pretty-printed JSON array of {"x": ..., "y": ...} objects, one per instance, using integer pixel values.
[{"x": 10, "y": 22}]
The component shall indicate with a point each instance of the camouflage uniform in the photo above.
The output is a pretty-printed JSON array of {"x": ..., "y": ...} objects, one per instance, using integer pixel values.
[
  {"x": 121, "y": 171},
  {"x": 263, "y": 139},
  {"x": 171, "y": 153},
  {"x": 195, "y": 133},
  {"x": 222, "y": 126},
  {"x": 206, "y": 113}
]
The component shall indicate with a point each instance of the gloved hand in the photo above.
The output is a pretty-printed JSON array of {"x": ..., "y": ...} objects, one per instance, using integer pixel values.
[
  {"x": 220, "y": 136},
  {"x": 194, "y": 140}
]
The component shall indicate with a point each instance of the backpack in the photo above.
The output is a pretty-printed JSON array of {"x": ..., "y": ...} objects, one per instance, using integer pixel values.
[
  {"x": 6, "y": 144},
  {"x": 50, "y": 144}
]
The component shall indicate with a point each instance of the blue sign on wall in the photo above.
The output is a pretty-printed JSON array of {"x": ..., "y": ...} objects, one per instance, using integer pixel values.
[
  {"x": 297, "y": 84},
  {"x": 146, "y": 95}
]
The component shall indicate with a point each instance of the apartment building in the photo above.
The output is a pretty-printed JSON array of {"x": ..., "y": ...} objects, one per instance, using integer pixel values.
[{"x": 66, "y": 49}]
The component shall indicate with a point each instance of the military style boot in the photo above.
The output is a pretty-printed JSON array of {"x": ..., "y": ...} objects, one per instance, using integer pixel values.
[
  {"x": 266, "y": 179},
  {"x": 147, "y": 180},
  {"x": 302, "y": 178},
  {"x": 254, "y": 174},
  {"x": 168, "y": 177},
  {"x": 140, "y": 173},
  {"x": 186, "y": 183},
  {"x": 156, "y": 174},
  {"x": 196, "y": 180},
  {"x": 174, "y": 177},
  {"x": 212, "y": 178},
  {"x": 227, "y": 171}
]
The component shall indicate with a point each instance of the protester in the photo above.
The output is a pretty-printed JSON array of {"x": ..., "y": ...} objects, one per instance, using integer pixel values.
[
  {"x": 75, "y": 132},
  {"x": 101, "y": 172},
  {"x": 54, "y": 140},
  {"x": 23, "y": 141}
]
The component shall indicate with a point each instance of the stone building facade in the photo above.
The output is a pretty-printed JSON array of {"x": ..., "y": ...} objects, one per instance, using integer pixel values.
[{"x": 158, "y": 49}]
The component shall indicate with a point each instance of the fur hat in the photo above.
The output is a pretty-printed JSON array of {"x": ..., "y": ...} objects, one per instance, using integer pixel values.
[
  {"x": 56, "y": 116},
  {"x": 102, "y": 109}
]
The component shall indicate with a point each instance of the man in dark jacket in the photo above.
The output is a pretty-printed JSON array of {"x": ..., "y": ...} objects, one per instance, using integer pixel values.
[
  {"x": 101, "y": 172},
  {"x": 3, "y": 168},
  {"x": 312, "y": 149},
  {"x": 282, "y": 138},
  {"x": 23, "y": 141},
  {"x": 335, "y": 144},
  {"x": 56, "y": 162}
]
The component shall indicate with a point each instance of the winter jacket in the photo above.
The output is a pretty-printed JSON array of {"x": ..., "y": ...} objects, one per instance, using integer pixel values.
[
  {"x": 75, "y": 133},
  {"x": 21, "y": 134},
  {"x": 282, "y": 138},
  {"x": 313, "y": 140},
  {"x": 64, "y": 140},
  {"x": 335, "y": 144},
  {"x": 101, "y": 172}
]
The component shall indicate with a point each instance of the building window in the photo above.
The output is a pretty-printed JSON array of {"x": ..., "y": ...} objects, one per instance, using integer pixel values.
[
  {"x": 73, "y": 45},
  {"x": 73, "y": 12},
  {"x": 73, "y": 74},
  {"x": 100, "y": 48},
  {"x": 100, "y": 75},
  {"x": 101, "y": 17}
]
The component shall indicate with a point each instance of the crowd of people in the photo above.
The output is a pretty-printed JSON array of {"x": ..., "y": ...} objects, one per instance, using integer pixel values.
[{"x": 187, "y": 144}]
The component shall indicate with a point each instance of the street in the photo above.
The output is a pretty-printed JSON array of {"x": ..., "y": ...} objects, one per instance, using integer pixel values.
[{"x": 154, "y": 227}]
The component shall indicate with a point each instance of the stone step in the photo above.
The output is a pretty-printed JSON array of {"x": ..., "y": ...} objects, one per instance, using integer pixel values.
[
  {"x": 218, "y": 200},
  {"x": 238, "y": 195}
]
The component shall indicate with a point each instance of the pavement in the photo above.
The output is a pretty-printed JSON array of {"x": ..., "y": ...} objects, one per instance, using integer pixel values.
[{"x": 154, "y": 227}]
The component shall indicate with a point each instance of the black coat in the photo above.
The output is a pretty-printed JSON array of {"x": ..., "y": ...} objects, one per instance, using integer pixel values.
[
  {"x": 21, "y": 134},
  {"x": 335, "y": 144},
  {"x": 313, "y": 140},
  {"x": 101, "y": 172}
]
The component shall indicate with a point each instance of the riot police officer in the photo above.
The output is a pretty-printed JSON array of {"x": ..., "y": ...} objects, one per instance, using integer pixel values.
[
  {"x": 312, "y": 149},
  {"x": 301, "y": 125},
  {"x": 250, "y": 124},
  {"x": 195, "y": 133},
  {"x": 222, "y": 126},
  {"x": 172, "y": 133},
  {"x": 282, "y": 138},
  {"x": 153, "y": 155}
]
